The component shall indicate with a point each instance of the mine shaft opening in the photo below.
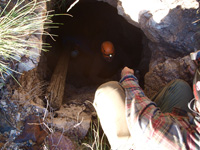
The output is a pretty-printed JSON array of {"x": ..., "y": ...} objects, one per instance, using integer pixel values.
[{"x": 91, "y": 24}]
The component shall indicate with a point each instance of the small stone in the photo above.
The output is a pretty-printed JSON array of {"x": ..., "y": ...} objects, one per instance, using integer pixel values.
[
  {"x": 4, "y": 124},
  {"x": 32, "y": 131},
  {"x": 3, "y": 103},
  {"x": 18, "y": 117},
  {"x": 26, "y": 66},
  {"x": 58, "y": 141},
  {"x": 73, "y": 120},
  {"x": 13, "y": 134}
]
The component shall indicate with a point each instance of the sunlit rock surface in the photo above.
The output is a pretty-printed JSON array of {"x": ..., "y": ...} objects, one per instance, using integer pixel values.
[{"x": 172, "y": 29}]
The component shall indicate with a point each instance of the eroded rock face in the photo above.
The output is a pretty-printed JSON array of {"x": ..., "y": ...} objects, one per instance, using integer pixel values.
[
  {"x": 172, "y": 31},
  {"x": 31, "y": 62},
  {"x": 164, "y": 72},
  {"x": 164, "y": 22}
]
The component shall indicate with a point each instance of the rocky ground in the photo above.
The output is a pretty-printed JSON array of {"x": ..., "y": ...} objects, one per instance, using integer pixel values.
[{"x": 27, "y": 120}]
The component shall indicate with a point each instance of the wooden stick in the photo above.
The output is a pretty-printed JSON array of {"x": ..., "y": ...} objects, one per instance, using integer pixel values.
[{"x": 55, "y": 90}]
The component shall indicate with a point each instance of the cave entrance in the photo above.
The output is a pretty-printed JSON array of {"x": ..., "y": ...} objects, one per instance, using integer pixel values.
[{"x": 92, "y": 23}]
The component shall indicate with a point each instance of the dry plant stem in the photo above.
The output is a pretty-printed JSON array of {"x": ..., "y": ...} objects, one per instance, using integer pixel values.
[
  {"x": 72, "y": 5},
  {"x": 58, "y": 140},
  {"x": 97, "y": 143}
]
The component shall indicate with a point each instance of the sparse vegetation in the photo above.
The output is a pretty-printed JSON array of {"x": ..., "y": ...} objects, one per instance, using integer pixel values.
[
  {"x": 95, "y": 140},
  {"x": 16, "y": 26}
]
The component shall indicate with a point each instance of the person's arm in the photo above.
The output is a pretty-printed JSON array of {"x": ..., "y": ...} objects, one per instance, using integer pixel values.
[
  {"x": 148, "y": 125},
  {"x": 136, "y": 101}
]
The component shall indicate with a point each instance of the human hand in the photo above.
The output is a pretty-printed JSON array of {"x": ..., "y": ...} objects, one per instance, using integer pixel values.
[{"x": 126, "y": 70}]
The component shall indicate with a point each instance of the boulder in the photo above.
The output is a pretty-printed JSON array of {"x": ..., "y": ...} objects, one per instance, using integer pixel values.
[
  {"x": 170, "y": 23},
  {"x": 72, "y": 120},
  {"x": 162, "y": 73},
  {"x": 172, "y": 30}
]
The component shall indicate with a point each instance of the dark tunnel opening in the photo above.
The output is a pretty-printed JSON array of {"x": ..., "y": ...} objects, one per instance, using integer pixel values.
[{"x": 93, "y": 23}]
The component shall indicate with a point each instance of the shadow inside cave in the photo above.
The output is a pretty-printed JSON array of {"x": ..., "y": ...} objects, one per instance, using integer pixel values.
[{"x": 91, "y": 24}]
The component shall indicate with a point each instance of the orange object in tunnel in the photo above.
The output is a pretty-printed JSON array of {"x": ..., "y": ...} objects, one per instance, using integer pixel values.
[{"x": 107, "y": 50}]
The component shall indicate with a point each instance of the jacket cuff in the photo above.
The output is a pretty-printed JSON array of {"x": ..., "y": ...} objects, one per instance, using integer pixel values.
[{"x": 128, "y": 76}]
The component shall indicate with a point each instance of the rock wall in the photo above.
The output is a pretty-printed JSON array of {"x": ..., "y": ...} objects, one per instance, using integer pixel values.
[
  {"x": 172, "y": 31},
  {"x": 163, "y": 21}
]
